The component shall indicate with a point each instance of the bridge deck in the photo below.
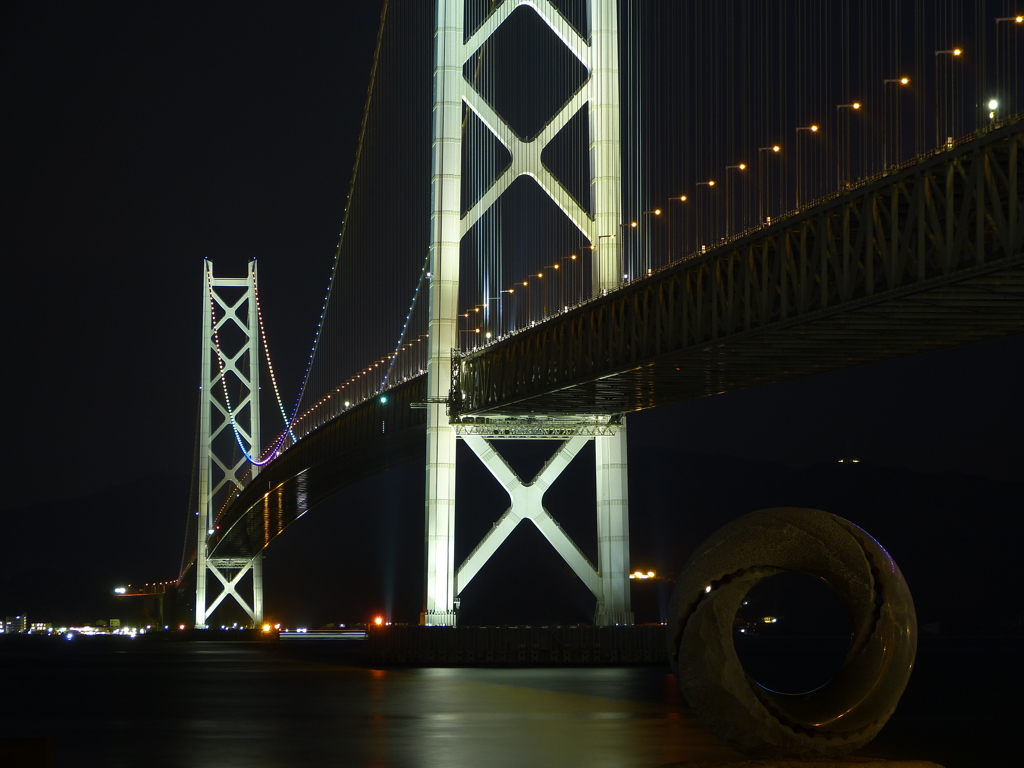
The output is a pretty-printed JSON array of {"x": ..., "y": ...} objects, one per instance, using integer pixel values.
[{"x": 929, "y": 257}]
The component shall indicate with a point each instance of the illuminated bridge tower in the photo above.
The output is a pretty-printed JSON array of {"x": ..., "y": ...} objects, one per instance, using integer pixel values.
[
  {"x": 600, "y": 97},
  {"x": 229, "y": 431}
]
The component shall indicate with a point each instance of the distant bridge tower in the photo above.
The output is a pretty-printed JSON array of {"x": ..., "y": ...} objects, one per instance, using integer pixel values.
[
  {"x": 600, "y": 96},
  {"x": 229, "y": 428}
]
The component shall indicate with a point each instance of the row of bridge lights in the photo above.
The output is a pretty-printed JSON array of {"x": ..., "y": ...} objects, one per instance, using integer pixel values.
[
  {"x": 478, "y": 332},
  {"x": 640, "y": 224},
  {"x": 710, "y": 183},
  {"x": 774, "y": 149}
]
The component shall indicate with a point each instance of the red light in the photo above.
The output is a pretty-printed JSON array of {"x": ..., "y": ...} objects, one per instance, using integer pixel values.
[{"x": 378, "y": 620}]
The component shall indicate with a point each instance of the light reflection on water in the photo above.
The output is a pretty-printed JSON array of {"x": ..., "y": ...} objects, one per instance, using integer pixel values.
[{"x": 249, "y": 704}]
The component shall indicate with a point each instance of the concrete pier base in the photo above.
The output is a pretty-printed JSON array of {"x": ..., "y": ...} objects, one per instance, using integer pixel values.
[{"x": 549, "y": 646}]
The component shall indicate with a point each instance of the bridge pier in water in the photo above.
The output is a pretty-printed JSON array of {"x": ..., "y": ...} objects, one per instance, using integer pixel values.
[{"x": 609, "y": 581}]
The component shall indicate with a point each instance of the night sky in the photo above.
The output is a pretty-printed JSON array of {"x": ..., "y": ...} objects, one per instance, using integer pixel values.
[{"x": 142, "y": 138}]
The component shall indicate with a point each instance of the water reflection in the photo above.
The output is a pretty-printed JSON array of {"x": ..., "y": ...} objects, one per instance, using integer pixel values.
[{"x": 236, "y": 704}]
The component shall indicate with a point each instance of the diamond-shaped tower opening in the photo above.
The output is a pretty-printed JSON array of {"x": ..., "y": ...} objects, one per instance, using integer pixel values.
[
  {"x": 567, "y": 156},
  {"x": 484, "y": 159},
  {"x": 525, "y": 72},
  {"x": 575, "y": 12},
  {"x": 476, "y": 12}
]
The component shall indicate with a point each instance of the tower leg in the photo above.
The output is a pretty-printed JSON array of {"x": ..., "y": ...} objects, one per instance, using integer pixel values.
[
  {"x": 439, "y": 608},
  {"x": 445, "y": 239},
  {"x": 200, "y": 622},
  {"x": 257, "y": 589},
  {"x": 612, "y": 466}
]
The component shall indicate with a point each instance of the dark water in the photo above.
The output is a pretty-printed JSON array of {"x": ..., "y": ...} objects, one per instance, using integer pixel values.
[{"x": 113, "y": 702}]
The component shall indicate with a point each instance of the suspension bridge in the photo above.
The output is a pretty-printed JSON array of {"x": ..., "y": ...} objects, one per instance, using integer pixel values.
[{"x": 561, "y": 259}]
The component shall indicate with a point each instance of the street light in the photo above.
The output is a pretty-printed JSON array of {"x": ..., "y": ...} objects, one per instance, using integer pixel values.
[
  {"x": 954, "y": 53},
  {"x": 630, "y": 253},
  {"x": 514, "y": 314},
  {"x": 680, "y": 199},
  {"x": 1019, "y": 21},
  {"x": 885, "y": 124},
  {"x": 529, "y": 297},
  {"x": 572, "y": 259},
  {"x": 855, "y": 106},
  {"x": 466, "y": 316},
  {"x": 547, "y": 288},
  {"x": 812, "y": 129},
  {"x": 486, "y": 306},
  {"x": 774, "y": 149},
  {"x": 993, "y": 105},
  {"x": 644, "y": 243},
  {"x": 739, "y": 167},
  {"x": 596, "y": 283},
  {"x": 696, "y": 211}
]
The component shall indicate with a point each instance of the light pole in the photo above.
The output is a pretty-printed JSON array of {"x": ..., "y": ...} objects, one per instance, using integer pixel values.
[
  {"x": 529, "y": 308},
  {"x": 511, "y": 325},
  {"x": 645, "y": 246},
  {"x": 594, "y": 285},
  {"x": 501, "y": 312},
  {"x": 466, "y": 315},
  {"x": 955, "y": 53},
  {"x": 1019, "y": 20},
  {"x": 572, "y": 259},
  {"x": 486, "y": 306},
  {"x": 544, "y": 298},
  {"x": 839, "y": 140},
  {"x": 680, "y": 199},
  {"x": 696, "y": 212},
  {"x": 812, "y": 129},
  {"x": 630, "y": 253},
  {"x": 774, "y": 149},
  {"x": 739, "y": 167},
  {"x": 548, "y": 289},
  {"x": 885, "y": 123},
  {"x": 993, "y": 105}
]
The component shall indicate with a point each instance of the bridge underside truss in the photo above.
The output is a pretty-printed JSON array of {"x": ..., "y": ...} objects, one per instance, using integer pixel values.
[{"x": 929, "y": 257}]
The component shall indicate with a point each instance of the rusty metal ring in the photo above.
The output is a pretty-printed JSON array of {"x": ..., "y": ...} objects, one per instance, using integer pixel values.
[{"x": 845, "y": 713}]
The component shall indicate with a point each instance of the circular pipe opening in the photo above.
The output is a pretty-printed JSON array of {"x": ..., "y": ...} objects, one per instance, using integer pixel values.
[{"x": 792, "y": 633}]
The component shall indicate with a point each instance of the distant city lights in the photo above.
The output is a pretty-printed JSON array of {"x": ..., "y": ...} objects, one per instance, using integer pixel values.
[{"x": 642, "y": 575}]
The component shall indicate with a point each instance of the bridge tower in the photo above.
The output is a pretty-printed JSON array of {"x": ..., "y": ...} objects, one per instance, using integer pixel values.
[
  {"x": 229, "y": 420},
  {"x": 609, "y": 581}
]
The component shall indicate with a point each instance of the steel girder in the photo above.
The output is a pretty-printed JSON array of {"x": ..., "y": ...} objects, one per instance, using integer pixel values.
[{"x": 927, "y": 257}]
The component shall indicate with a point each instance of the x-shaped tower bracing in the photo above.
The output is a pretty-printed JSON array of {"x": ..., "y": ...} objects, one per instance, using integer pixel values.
[{"x": 600, "y": 95}]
